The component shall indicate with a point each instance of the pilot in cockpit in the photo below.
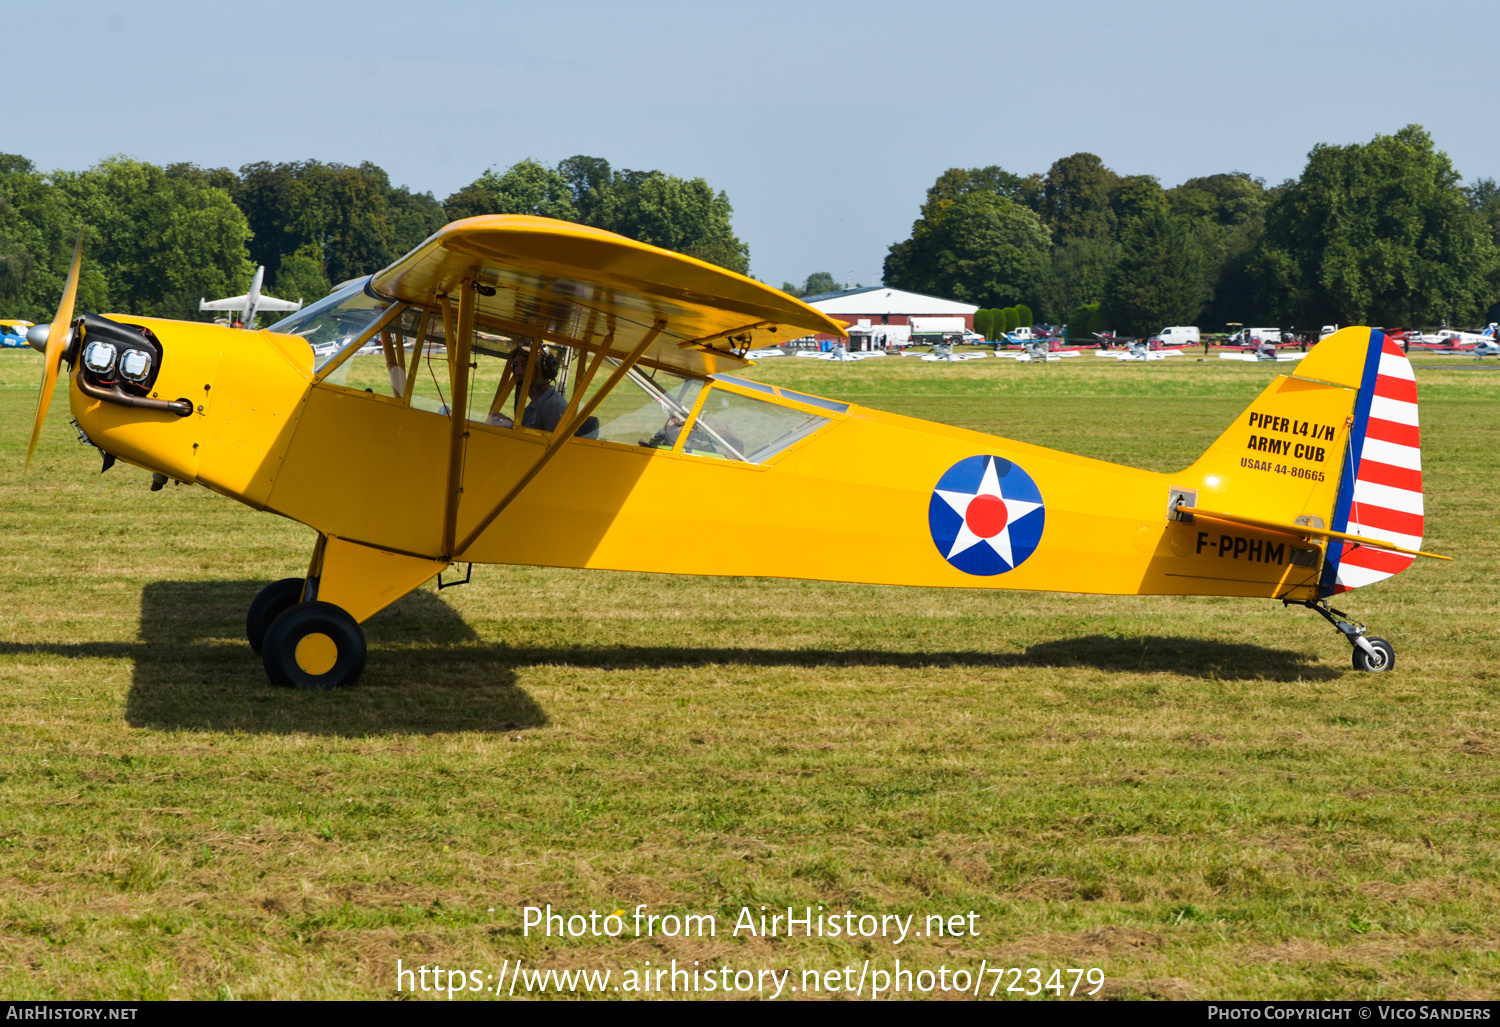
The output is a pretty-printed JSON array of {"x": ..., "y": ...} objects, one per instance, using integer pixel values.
[{"x": 545, "y": 406}]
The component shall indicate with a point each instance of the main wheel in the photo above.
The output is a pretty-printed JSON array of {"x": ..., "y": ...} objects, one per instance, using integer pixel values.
[
  {"x": 314, "y": 645},
  {"x": 270, "y": 603},
  {"x": 1384, "y": 658}
]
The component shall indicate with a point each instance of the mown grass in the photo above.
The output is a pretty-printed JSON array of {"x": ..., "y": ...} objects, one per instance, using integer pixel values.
[{"x": 1201, "y": 797}]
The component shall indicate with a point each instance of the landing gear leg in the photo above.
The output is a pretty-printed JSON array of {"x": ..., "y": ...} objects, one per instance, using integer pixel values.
[{"x": 1370, "y": 653}]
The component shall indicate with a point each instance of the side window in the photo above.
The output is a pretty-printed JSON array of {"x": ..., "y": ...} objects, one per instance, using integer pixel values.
[
  {"x": 647, "y": 409},
  {"x": 734, "y": 427},
  {"x": 380, "y": 364}
]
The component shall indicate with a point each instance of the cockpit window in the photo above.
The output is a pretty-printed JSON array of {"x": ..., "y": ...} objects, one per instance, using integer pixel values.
[
  {"x": 735, "y": 427},
  {"x": 776, "y": 390},
  {"x": 334, "y": 321},
  {"x": 650, "y": 413}
]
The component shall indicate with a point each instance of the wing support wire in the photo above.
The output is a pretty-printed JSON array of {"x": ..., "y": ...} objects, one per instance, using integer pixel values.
[
  {"x": 1303, "y": 530},
  {"x": 572, "y": 420}
]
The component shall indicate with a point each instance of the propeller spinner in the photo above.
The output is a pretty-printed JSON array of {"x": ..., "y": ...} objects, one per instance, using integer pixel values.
[{"x": 57, "y": 342}]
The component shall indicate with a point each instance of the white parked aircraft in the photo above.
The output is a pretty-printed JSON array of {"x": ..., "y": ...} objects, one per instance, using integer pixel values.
[
  {"x": 840, "y": 352},
  {"x": 1139, "y": 350},
  {"x": 1039, "y": 351},
  {"x": 942, "y": 352},
  {"x": 251, "y": 303}
]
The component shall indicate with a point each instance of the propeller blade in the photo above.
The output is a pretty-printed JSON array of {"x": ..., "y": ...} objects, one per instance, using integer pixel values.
[{"x": 57, "y": 339}]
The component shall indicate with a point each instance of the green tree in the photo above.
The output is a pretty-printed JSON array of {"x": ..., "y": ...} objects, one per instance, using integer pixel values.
[
  {"x": 300, "y": 276},
  {"x": 984, "y": 322},
  {"x": 1484, "y": 199},
  {"x": 1227, "y": 214},
  {"x": 1076, "y": 276},
  {"x": 1076, "y": 198},
  {"x": 352, "y": 218},
  {"x": 589, "y": 180},
  {"x": 162, "y": 242},
  {"x": 1136, "y": 196},
  {"x": 820, "y": 282},
  {"x": 678, "y": 214},
  {"x": 958, "y": 182},
  {"x": 1377, "y": 233},
  {"x": 38, "y": 227},
  {"x": 1023, "y": 316},
  {"x": 1079, "y": 322},
  {"x": 526, "y": 187},
  {"x": 980, "y": 248},
  {"x": 1159, "y": 277},
  {"x": 684, "y": 215},
  {"x": 1010, "y": 320}
]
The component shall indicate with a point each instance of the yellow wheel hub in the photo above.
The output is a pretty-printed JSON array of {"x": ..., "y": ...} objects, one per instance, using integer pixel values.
[{"x": 316, "y": 653}]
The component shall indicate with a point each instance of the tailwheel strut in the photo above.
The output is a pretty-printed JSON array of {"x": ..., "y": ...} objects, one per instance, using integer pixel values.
[{"x": 1371, "y": 653}]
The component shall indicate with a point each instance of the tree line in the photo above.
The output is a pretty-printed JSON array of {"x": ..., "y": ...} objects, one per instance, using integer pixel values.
[
  {"x": 161, "y": 238},
  {"x": 1371, "y": 233}
]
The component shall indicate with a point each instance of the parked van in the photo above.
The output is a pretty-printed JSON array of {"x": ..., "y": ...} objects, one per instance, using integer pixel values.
[
  {"x": 1252, "y": 338},
  {"x": 1177, "y": 335}
]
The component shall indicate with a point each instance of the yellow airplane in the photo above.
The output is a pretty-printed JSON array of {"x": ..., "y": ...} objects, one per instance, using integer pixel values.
[{"x": 527, "y": 391}]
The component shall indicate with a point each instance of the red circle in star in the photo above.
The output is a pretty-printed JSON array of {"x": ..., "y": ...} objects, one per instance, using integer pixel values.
[{"x": 986, "y": 516}]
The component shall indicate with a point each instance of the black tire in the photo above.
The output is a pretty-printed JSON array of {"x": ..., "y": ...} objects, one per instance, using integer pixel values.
[
  {"x": 1385, "y": 660},
  {"x": 271, "y": 603},
  {"x": 331, "y": 644}
]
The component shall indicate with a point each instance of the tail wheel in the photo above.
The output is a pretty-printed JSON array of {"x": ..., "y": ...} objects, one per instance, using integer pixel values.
[
  {"x": 272, "y": 602},
  {"x": 314, "y": 645},
  {"x": 1384, "y": 657}
]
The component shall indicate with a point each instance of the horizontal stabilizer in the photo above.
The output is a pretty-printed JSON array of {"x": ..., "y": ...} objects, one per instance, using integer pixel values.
[{"x": 1303, "y": 529}]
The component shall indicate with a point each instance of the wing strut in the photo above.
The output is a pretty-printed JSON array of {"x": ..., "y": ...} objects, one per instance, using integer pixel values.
[
  {"x": 419, "y": 349},
  {"x": 458, "y": 402},
  {"x": 572, "y": 420}
]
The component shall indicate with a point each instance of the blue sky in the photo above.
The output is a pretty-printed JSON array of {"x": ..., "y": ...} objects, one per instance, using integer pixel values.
[{"x": 825, "y": 122}]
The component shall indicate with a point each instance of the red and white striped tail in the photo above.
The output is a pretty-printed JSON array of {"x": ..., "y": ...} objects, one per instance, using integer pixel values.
[{"x": 1387, "y": 497}]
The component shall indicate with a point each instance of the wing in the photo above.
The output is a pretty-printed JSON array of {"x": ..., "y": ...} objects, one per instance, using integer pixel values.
[
  {"x": 232, "y": 303},
  {"x": 566, "y": 282},
  {"x": 272, "y": 303}
]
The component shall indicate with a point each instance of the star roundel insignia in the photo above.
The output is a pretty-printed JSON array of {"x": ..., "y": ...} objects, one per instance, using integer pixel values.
[{"x": 986, "y": 515}]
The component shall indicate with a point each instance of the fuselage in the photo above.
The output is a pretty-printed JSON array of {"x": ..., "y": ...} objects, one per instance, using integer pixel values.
[{"x": 863, "y": 495}]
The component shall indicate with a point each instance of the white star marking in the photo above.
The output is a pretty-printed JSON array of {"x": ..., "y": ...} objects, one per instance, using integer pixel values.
[{"x": 1015, "y": 509}]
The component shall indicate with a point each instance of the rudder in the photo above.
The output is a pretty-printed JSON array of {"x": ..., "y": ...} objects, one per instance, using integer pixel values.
[
  {"x": 1380, "y": 494},
  {"x": 1333, "y": 445}
]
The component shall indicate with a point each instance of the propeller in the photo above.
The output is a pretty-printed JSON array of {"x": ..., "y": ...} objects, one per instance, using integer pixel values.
[{"x": 57, "y": 341}]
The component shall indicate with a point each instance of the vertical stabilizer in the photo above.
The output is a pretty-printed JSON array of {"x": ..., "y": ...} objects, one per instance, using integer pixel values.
[{"x": 1380, "y": 493}]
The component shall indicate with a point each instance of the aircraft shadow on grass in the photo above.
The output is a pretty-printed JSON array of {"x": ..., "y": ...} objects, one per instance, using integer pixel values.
[{"x": 428, "y": 672}]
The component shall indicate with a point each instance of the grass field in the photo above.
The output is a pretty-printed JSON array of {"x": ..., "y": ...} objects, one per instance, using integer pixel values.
[{"x": 1199, "y": 797}]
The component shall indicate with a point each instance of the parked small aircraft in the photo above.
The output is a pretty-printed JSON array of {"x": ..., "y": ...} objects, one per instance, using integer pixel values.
[
  {"x": 630, "y": 444},
  {"x": 1140, "y": 350},
  {"x": 1267, "y": 353},
  {"x": 841, "y": 353},
  {"x": 13, "y": 333},
  {"x": 1451, "y": 340},
  {"x": 251, "y": 303},
  {"x": 1039, "y": 351},
  {"x": 942, "y": 352}
]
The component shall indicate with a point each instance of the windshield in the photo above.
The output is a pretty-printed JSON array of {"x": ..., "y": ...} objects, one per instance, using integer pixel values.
[{"x": 332, "y": 322}]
